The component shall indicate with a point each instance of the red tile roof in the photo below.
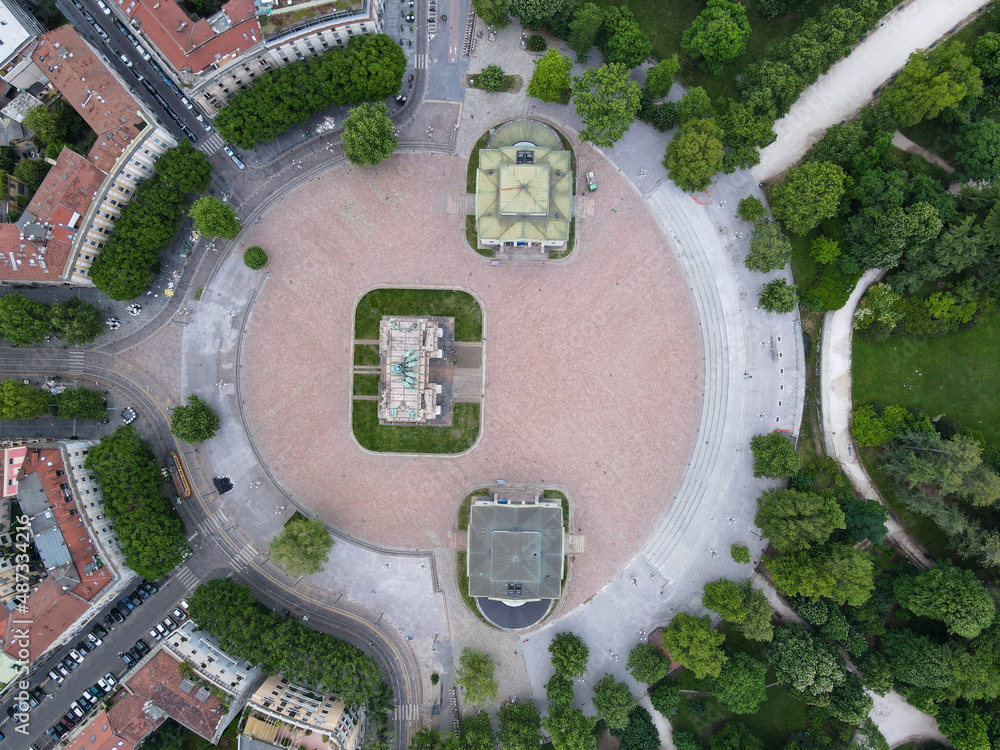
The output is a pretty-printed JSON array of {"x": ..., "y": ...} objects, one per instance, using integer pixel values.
[
  {"x": 159, "y": 681},
  {"x": 93, "y": 91},
  {"x": 49, "y": 612},
  {"x": 130, "y": 720},
  {"x": 192, "y": 44},
  {"x": 99, "y": 734}
]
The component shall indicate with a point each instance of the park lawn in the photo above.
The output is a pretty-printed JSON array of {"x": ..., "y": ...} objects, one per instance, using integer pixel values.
[
  {"x": 665, "y": 22},
  {"x": 923, "y": 529},
  {"x": 955, "y": 374},
  {"x": 804, "y": 268},
  {"x": 375, "y": 437},
  {"x": 780, "y": 715},
  {"x": 365, "y": 384},
  {"x": 367, "y": 354},
  {"x": 446, "y": 303}
]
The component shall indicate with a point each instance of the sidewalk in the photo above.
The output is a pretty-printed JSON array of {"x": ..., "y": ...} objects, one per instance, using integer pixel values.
[
  {"x": 836, "y": 408},
  {"x": 851, "y": 83}
]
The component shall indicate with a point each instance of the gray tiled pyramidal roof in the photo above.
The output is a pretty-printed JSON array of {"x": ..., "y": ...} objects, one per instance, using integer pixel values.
[{"x": 515, "y": 544}]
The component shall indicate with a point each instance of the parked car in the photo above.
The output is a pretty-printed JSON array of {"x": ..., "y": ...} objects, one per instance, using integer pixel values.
[
  {"x": 116, "y": 615},
  {"x": 55, "y": 677},
  {"x": 110, "y": 679},
  {"x": 179, "y": 614},
  {"x": 103, "y": 685},
  {"x": 77, "y": 656},
  {"x": 140, "y": 592},
  {"x": 69, "y": 719},
  {"x": 32, "y": 701},
  {"x": 134, "y": 653},
  {"x": 104, "y": 8},
  {"x": 68, "y": 663},
  {"x": 85, "y": 701},
  {"x": 127, "y": 658},
  {"x": 141, "y": 647},
  {"x": 85, "y": 647},
  {"x": 39, "y": 694},
  {"x": 125, "y": 60},
  {"x": 184, "y": 604},
  {"x": 77, "y": 711},
  {"x": 161, "y": 629},
  {"x": 94, "y": 640},
  {"x": 169, "y": 622},
  {"x": 154, "y": 635},
  {"x": 123, "y": 610},
  {"x": 128, "y": 603},
  {"x": 97, "y": 691},
  {"x": 13, "y": 714},
  {"x": 151, "y": 588},
  {"x": 100, "y": 630}
]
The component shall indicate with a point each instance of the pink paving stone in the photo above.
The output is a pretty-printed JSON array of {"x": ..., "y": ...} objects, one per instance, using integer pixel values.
[{"x": 593, "y": 367}]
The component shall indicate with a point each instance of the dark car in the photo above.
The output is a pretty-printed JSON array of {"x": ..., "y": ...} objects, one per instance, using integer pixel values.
[
  {"x": 134, "y": 652},
  {"x": 140, "y": 593},
  {"x": 108, "y": 620},
  {"x": 69, "y": 663},
  {"x": 152, "y": 588},
  {"x": 85, "y": 647},
  {"x": 116, "y": 615},
  {"x": 127, "y": 658},
  {"x": 100, "y": 630},
  {"x": 141, "y": 647},
  {"x": 61, "y": 728},
  {"x": 12, "y": 713},
  {"x": 127, "y": 604},
  {"x": 39, "y": 694},
  {"x": 69, "y": 719},
  {"x": 123, "y": 610}
]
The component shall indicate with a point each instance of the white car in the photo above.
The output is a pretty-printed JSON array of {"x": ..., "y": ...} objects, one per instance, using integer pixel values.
[
  {"x": 94, "y": 639},
  {"x": 141, "y": 51},
  {"x": 103, "y": 685},
  {"x": 125, "y": 60},
  {"x": 110, "y": 679},
  {"x": 154, "y": 635},
  {"x": 77, "y": 656},
  {"x": 104, "y": 8}
]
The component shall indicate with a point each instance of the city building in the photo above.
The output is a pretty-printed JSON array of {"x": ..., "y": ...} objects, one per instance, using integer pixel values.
[
  {"x": 524, "y": 189},
  {"x": 18, "y": 32},
  {"x": 13, "y": 457},
  {"x": 515, "y": 555},
  {"x": 417, "y": 365},
  {"x": 70, "y": 216},
  {"x": 90, "y": 500},
  {"x": 288, "y": 703},
  {"x": 121, "y": 727}
]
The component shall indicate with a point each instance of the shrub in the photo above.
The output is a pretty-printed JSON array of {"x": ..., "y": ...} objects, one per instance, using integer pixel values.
[
  {"x": 740, "y": 553},
  {"x": 824, "y": 250},
  {"x": 778, "y": 296},
  {"x": 750, "y": 209},
  {"x": 832, "y": 289},
  {"x": 665, "y": 116},
  {"x": 435, "y": 678},
  {"x": 491, "y": 78},
  {"x": 536, "y": 43},
  {"x": 255, "y": 257}
]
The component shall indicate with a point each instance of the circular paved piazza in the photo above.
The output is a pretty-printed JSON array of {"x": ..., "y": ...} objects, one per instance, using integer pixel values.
[{"x": 593, "y": 366}]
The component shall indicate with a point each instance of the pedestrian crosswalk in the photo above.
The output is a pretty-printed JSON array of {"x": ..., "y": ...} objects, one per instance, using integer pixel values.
[
  {"x": 76, "y": 359},
  {"x": 245, "y": 555},
  {"x": 211, "y": 143},
  {"x": 185, "y": 577},
  {"x": 420, "y": 62},
  {"x": 408, "y": 712}
]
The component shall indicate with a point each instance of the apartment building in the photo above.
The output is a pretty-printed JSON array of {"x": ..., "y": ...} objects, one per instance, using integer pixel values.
[
  {"x": 18, "y": 32},
  {"x": 309, "y": 710}
]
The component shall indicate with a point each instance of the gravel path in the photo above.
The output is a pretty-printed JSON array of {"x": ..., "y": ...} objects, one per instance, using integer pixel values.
[{"x": 850, "y": 84}]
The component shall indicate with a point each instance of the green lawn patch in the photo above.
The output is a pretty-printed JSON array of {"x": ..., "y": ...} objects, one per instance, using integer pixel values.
[
  {"x": 664, "y": 23},
  {"x": 367, "y": 355},
  {"x": 447, "y": 303},
  {"x": 804, "y": 268},
  {"x": 462, "y": 564},
  {"x": 464, "y": 508},
  {"x": 511, "y": 84},
  {"x": 955, "y": 374},
  {"x": 780, "y": 715},
  {"x": 470, "y": 175},
  {"x": 472, "y": 237},
  {"x": 564, "y": 501},
  {"x": 458, "y": 437},
  {"x": 365, "y": 385}
]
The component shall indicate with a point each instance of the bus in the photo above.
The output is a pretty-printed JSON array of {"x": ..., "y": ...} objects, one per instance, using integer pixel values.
[{"x": 180, "y": 479}]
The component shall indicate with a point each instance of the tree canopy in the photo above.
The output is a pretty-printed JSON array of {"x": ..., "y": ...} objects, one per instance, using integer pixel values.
[
  {"x": 837, "y": 571},
  {"x": 795, "y": 520},
  {"x": 493, "y": 12},
  {"x": 694, "y": 643},
  {"x": 805, "y": 663},
  {"x": 607, "y": 101},
  {"x": 584, "y": 29},
  {"x": 255, "y": 257},
  {"x": 570, "y": 729},
  {"x": 76, "y": 321},
  {"x": 646, "y": 663},
  {"x": 81, "y": 403},
  {"x": 770, "y": 249},
  {"x": 640, "y": 733},
  {"x": 613, "y": 702},
  {"x": 146, "y": 523},
  {"x": 568, "y": 654},
  {"x": 23, "y": 321},
  {"x": 215, "y": 218},
  {"x": 302, "y": 547},
  {"x": 740, "y": 685},
  {"x": 778, "y": 296},
  {"x": 621, "y": 39},
  {"x": 194, "y": 423},
  {"x": 550, "y": 82},
  {"x": 694, "y": 155},
  {"x": 475, "y": 676},
  {"x": 717, "y": 35},
  {"x": 368, "y": 134},
  {"x": 978, "y": 156},
  {"x": 231, "y": 614},
  {"x": 932, "y": 82},
  {"x": 741, "y": 604},
  {"x": 950, "y": 594},
  {"x": 774, "y": 456},
  {"x": 519, "y": 724},
  {"x": 660, "y": 78},
  {"x": 185, "y": 168},
  {"x": 369, "y": 68},
  {"x": 808, "y": 195},
  {"x": 19, "y": 400}
]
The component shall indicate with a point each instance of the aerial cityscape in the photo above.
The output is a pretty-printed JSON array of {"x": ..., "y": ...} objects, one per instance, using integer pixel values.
[{"x": 500, "y": 374}]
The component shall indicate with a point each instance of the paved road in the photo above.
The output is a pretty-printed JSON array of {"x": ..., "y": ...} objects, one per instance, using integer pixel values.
[{"x": 853, "y": 81}]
